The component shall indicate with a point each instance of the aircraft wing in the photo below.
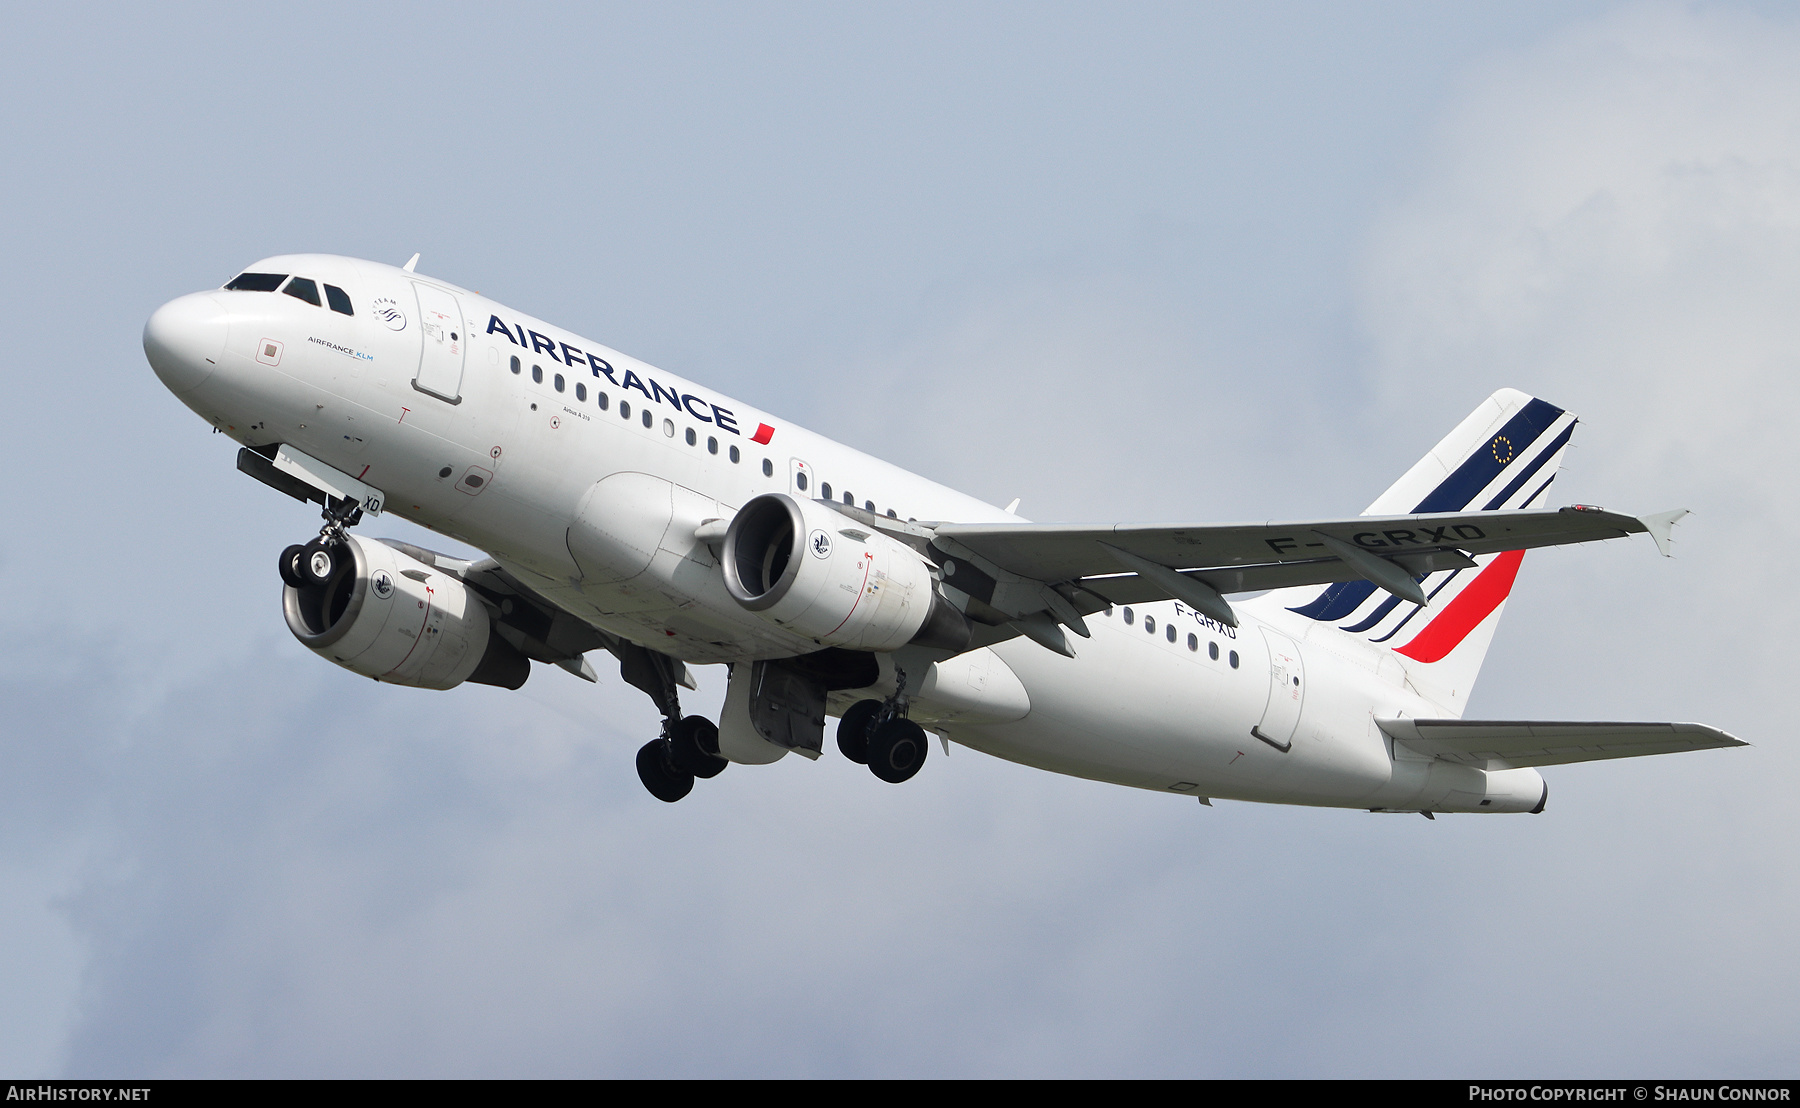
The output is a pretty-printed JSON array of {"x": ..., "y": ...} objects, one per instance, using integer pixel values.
[
  {"x": 1505, "y": 744},
  {"x": 1036, "y": 574},
  {"x": 1246, "y": 556}
]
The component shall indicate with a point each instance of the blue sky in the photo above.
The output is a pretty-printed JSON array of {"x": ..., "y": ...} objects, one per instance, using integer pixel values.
[{"x": 1124, "y": 261}]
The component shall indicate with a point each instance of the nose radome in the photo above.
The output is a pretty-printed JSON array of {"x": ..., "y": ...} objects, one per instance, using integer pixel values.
[{"x": 184, "y": 340}]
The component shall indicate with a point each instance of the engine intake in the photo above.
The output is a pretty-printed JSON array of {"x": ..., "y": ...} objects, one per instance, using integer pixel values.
[
  {"x": 386, "y": 615},
  {"x": 815, "y": 572}
]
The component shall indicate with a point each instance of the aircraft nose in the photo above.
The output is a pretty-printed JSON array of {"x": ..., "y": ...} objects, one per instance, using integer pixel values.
[{"x": 185, "y": 339}]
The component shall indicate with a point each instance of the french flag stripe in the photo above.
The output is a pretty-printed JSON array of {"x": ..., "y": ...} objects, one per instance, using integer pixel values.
[{"x": 1463, "y": 614}]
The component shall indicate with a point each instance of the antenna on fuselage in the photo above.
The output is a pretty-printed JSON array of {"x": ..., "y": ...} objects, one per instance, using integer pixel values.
[{"x": 408, "y": 266}]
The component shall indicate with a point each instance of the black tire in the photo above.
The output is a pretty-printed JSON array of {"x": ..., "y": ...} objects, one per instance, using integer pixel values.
[
  {"x": 853, "y": 730},
  {"x": 290, "y": 566},
  {"x": 665, "y": 782},
  {"x": 319, "y": 562},
  {"x": 897, "y": 749},
  {"x": 694, "y": 747}
]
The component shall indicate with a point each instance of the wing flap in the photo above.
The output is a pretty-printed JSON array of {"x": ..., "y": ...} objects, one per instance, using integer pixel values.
[
  {"x": 1131, "y": 588},
  {"x": 1503, "y": 744}
]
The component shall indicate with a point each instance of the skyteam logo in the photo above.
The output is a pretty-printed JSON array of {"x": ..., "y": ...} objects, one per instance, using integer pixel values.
[
  {"x": 388, "y": 311},
  {"x": 820, "y": 544}
]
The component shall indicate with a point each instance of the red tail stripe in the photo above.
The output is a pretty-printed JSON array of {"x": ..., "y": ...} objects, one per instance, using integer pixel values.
[{"x": 1463, "y": 614}]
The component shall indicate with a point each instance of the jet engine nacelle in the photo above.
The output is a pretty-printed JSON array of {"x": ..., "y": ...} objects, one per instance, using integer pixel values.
[
  {"x": 815, "y": 572},
  {"x": 389, "y": 616}
]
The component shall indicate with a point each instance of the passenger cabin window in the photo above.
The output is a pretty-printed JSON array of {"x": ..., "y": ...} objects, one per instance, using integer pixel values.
[
  {"x": 303, "y": 288},
  {"x": 601, "y": 397},
  {"x": 580, "y": 391},
  {"x": 693, "y": 438},
  {"x": 868, "y": 505},
  {"x": 537, "y": 374},
  {"x": 768, "y": 468},
  {"x": 1127, "y": 617},
  {"x": 338, "y": 299},
  {"x": 824, "y": 490},
  {"x": 624, "y": 409},
  {"x": 559, "y": 382},
  {"x": 734, "y": 455},
  {"x": 257, "y": 282},
  {"x": 848, "y": 499},
  {"x": 515, "y": 363}
]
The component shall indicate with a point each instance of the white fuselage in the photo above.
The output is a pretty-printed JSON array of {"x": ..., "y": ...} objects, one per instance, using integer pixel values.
[{"x": 595, "y": 507}]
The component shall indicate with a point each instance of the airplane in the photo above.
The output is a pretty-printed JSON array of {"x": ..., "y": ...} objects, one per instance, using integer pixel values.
[{"x": 625, "y": 509}]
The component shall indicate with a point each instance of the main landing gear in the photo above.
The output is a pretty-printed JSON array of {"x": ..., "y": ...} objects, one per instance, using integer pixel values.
[
  {"x": 874, "y": 734},
  {"x": 688, "y": 748},
  {"x": 316, "y": 562}
]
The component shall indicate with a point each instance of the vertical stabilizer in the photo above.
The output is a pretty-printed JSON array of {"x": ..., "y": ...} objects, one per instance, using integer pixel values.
[{"x": 1504, "y": 455}]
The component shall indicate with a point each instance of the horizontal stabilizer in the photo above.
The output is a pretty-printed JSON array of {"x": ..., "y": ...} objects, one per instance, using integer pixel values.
[{"x": 1507, "y": 744}]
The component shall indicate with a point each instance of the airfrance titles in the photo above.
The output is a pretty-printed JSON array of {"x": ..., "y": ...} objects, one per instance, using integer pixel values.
[{"x": 569, "y": 355}]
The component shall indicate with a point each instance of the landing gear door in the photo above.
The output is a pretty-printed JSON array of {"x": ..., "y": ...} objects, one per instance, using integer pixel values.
[
  {"x": 1287, "y": 691},
  {"x": 740, "y": 740},
  {"x": 443, "y": 343}
]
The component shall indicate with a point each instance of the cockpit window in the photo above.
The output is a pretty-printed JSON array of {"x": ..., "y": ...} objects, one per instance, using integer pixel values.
[
  {"x": 303, "y": 288},
  {"x": 257, "y": 282},
  {"x": 338, "y": 299}
]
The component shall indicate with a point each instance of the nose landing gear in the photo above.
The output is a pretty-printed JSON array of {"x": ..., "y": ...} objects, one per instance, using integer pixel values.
[{"x": 315, "y": 563}]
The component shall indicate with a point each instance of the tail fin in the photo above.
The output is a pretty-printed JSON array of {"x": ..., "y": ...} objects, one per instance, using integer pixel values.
[{"x": 1504, "y": 455}]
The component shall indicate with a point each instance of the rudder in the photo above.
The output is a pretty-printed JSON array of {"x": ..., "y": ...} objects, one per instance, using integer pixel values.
[{"x": 1503, "y": 455}]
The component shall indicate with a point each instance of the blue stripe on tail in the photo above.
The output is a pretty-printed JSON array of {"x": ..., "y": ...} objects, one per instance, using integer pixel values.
[
  {"x": 1454, "y": 494},
  {"x": 1338, "y": 601},
  {"x": 1479, "y": 471}
]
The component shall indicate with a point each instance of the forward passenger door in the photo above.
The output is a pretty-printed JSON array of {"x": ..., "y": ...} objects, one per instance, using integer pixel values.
[{"x": 442, "y": 344}]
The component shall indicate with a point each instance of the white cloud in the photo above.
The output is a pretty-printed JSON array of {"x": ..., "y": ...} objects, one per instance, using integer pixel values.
[{"x": 1611, "y": 219}]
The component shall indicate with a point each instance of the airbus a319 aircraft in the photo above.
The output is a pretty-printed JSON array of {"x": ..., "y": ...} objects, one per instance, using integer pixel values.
[{"x": 626, "y": 509}]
